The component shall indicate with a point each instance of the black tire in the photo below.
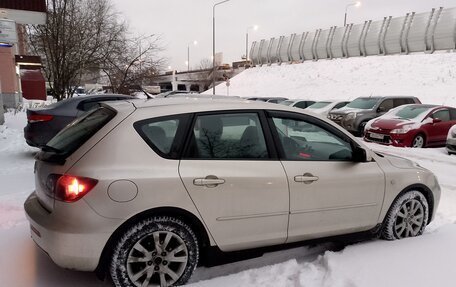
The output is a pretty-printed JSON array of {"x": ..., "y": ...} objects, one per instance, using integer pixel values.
[
  {"x": 419, "y": 141},
  {"x": 143, "y": 233},
  {"x": 401, "y": 213}
]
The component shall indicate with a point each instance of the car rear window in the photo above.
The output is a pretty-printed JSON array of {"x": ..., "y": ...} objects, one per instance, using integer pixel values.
[{"x": 79, "y": 131}]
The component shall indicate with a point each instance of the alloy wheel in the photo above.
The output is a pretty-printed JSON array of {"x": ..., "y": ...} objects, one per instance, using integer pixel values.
[
  {"x": 410, "y": 219},
  {"x": 418, "y": 142},
  {"x": 157, "y": 259}
]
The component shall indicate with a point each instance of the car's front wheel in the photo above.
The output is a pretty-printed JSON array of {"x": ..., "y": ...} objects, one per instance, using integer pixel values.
[
  {"x": 418, "y": 141},
  {"x": 407, "y": 217},
  {"x": 159, "y": 251}
]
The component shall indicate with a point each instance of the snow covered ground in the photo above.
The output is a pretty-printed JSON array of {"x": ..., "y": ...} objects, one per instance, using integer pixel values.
[
  {"x": 425, "y": 261},
  {"x": 430, "y": 77}
]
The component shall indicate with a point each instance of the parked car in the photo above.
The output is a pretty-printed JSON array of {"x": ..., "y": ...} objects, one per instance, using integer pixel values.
[
  {"x": 298, "y": 103},
  {"x": 44, "y": 123},
  {"x": 140, "y": 189},
  {"x": 273, "y": 100},
  {"x": 412, "y": 126},
  {"x": 324, "y": 107},
  {"x": 355, "y": 115},
  {"x": 451, "y": 141}
]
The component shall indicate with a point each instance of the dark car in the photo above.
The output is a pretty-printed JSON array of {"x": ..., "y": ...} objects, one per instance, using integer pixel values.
[
  {"x": 412, "y": 126},
  {"x": 355, "y": 115},
  {"x": 44, "y": 123}
]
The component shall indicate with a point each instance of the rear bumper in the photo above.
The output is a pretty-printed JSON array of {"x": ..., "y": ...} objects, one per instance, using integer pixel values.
[
  {"x": 72, "y": 243},
  {"x": 36, "y": 136}
]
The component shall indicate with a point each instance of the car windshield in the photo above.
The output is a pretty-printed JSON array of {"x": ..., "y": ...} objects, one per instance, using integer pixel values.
[
  {"x": 286, "y": 103},
  {"x": 363, "y": 103},
  {"x": 318, "y": 105},
  {"x": 411, "y": 112},
  {"x": 79, "y": 131}
]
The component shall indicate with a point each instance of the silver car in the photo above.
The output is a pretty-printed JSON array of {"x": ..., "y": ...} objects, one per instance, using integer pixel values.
[{"x": 140, "y": 189}]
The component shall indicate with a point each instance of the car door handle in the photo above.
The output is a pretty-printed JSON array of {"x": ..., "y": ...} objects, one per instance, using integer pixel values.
[
  {"x": 208, "y": 181},
  {"x": 306, "y": 178}
]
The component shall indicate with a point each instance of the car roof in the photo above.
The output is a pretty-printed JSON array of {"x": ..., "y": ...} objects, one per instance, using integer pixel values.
[
  {"x": 192, "y": 104},
  {"x": 386, "y": 97}
]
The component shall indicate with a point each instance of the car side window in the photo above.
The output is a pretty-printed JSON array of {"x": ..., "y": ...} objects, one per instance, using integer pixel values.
[
  {"x": 443, "y": 115},
  {"x": 400, "y": 102},
  {"x": 160, "y": 134},
  {"x": 386, "y": 105},
  {"x": 306, "y": 141},
  {"x": 453, "y": 114},
  {"x": 227, "y": 136}
]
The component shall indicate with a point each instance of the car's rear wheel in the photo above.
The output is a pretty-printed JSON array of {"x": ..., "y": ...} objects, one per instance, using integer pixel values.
[
  {"x": 407, "y": 217},
  {"x": 418, "y": 141},
  {"x": 160, "y": 251}
]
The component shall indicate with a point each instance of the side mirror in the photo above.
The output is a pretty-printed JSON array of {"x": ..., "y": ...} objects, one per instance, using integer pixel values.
[
  {"x": 436, "y": 121},
  {"x": 359, "y": 154},
  {"x": 381, "y": 109}
]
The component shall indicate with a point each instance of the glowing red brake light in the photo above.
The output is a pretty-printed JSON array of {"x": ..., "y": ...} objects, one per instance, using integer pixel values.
[
  {"x": 72, "y": 188},
  {"x": 39, "y": 118}
]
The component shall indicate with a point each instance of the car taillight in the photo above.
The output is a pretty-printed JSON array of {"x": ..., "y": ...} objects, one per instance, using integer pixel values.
[
  {"x": 33, "y": 118},
  {"x": 72, "y": 188}
]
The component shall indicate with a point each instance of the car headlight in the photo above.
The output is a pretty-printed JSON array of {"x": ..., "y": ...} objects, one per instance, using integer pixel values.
[
  {"x": 405, "y": 129},
  {"x": 350, "y": 116}
]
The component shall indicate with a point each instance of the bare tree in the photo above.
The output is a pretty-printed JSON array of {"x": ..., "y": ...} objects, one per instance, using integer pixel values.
[
  {"x": 86, "y": 34},
  {"x": 205, "y": 64},
  {"x": 134, "y": 63}
]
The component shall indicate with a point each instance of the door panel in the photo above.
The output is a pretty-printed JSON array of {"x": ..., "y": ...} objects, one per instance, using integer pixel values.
[
  {"x": 329, "y": 193},
  {"x": 240, "y": 192},
  {"x": 250, "y": 209},
  {"x": 345, "y": 198}
]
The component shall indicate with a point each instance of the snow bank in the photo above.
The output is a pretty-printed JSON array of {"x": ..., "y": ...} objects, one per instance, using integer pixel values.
[{"x": 430, "y": 77}]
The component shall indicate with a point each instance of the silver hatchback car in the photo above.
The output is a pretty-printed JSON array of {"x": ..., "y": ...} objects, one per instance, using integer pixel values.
[{"x": 140, "y": 189}]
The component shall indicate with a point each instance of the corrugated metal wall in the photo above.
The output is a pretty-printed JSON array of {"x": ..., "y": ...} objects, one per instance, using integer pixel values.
[{"x": 423, "y": 32}]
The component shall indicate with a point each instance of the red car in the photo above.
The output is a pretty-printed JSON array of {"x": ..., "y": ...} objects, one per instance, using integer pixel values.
[{"x": 412, "y": 126}]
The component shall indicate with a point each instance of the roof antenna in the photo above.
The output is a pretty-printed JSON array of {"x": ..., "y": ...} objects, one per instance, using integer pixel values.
[{"x": 147, "y": 94}]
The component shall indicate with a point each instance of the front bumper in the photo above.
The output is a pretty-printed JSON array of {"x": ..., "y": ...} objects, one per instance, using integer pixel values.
[
  {"x": 398, "y": 140},
  {"x": 451, "y": 145},
  {"x": 72, "y": 241}
]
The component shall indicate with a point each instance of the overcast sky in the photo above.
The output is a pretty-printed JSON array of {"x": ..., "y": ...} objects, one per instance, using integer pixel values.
[{"x": 180, "y": 22}]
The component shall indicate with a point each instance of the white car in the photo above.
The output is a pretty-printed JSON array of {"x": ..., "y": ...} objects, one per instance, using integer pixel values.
[
  {"x": 451, "y": 141},
  {"x": 324, "y": 107},
  {"x": 142, "y": 189}
]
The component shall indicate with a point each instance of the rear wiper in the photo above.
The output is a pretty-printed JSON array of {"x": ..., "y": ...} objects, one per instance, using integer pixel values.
[{"x": 50, "y": 149}]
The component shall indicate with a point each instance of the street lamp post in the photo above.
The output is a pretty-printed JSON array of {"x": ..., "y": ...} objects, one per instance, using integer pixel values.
[
  {"x": 213, "y": 43},
  {"x": 255, "y": 27},
  {"x": 356, "y": 4},
  {"x": 188, "y": 54}
]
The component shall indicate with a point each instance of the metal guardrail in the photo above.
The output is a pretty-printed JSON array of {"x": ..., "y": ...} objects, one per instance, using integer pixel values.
[{"x": 423, "y": 32}]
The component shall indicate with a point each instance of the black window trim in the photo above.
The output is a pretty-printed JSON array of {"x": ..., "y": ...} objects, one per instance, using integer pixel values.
[
  {"x": 297, "y": 116},
  {"x": 176, "y": 148},
  {"x": 270, "y": 145}
]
